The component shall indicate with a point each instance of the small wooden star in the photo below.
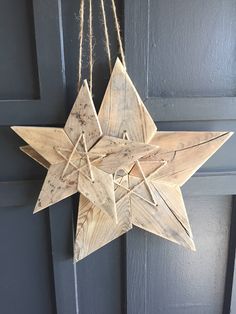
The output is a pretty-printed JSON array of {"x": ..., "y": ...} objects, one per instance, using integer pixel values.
[{"x": 79, "y": 157}]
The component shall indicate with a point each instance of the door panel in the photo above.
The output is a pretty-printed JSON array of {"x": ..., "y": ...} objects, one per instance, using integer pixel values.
[
  {"x": 100, "y": 281},
  {"x": 31, "y": 92},
  {"x": 184, "y": 90},
  {"x": 174, "y": 280},
  {"x": 180, "y": 55},
  {"x": 18, "y": 60},
  {"x": 32, "y": 65},
  {"x": 26, "y": 284},
  {"x": 197, "y": 38}
]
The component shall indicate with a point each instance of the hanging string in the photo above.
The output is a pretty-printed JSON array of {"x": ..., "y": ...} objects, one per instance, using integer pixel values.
[
  {"x": 117, "y": 24},
  {"x": 90, "y": 46},
  {"x": 81, "y": 37},
  {"x": 106, "y": 35},
  {"x": 107, "y": 42}
]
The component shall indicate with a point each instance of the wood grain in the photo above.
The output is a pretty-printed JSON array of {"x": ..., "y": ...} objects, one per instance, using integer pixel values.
[
  {"x": 183, "y": 152},
  {"x": 44, "y": 140},
  {"x": 123, "y": 110},
  {"x": 28, "y": 150},
  {"x": 55, "y": 188},
  {"x": 100, "y": 192},
  {"x": 119, "y": 153},
  {"x": 95, "y": 228},
  {"x": 83, "y": 118},
  {"x": 168, "y": 219}
]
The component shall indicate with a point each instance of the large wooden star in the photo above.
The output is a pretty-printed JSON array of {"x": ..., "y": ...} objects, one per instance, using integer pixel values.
[
  {"x": 127, "y": 172},
  {"x": 148, "y": 193},
  {"x": 80, "y": 158}
]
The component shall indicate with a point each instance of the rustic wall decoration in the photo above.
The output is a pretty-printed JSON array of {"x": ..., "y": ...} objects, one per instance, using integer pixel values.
[
  {"x": 148, "y": 193},
  {"x": 127, "y": 172}
]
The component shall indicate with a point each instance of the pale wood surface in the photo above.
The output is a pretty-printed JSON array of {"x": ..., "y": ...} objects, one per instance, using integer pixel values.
[
  {"x": 168, "y": 219},
  {"x": 184, "y": 153},
  {"x": 55, "y": 188},
  {"x": 123, "y": 110},
  {"x": 100, "y": 192},
  {"x": 28, "y": 150},
  {"x": 44, "y": 140},
  {"x": 119, "y": 153},
  {"x": 95, "y": 229},
  {"x": 83, "y": 118}
]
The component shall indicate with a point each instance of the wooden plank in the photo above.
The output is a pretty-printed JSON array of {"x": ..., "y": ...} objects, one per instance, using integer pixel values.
[
  {"x": 44, "y": 140},
  {"x": 168, "y": 219},
  {"x": 55, "y": 188},
  {"x": 28, "y": 150},
  {"x": 83, "y": 119},
  {"x": 119, "y": 153},
  {"x": 116, "y": 120},
  {"x": 183, "y": 153},
  {"x": 95, "y": 228},
  {"x": 100, "y": 192}
]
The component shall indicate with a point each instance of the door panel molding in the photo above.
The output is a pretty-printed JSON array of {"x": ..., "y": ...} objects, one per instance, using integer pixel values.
[
  {"x": 50, "y": 107},
  {"x": 62, "y": 227},
  {"x": 19, "y": 193},
  {"x": 230, "y": 283},
  {"x": 165, "y": 109}
]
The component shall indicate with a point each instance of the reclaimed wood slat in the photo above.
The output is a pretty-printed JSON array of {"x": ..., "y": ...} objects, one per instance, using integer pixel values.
[
  {"x": 183, "y": 152},
  {"x": 83, "y": 119},
  {"x": 123, "y": 110}
]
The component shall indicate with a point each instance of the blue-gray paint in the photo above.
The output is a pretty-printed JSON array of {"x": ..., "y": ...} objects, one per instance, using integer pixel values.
[
  {"x": 138, "y": 273},
  {"x": 180, "y": 55}
]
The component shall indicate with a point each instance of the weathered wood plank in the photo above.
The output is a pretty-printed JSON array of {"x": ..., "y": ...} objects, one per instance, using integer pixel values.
[
  {"x": 95, "y": 228},
  {"x": 183, "y": 152},
  {"x": 100, "y": 192},
  {"x": 83, "y": 119},
  {"x": 167, "y": 219},
  {"x": 28, "y": 150},
  {"x": 55, "y": 188},
  {"x": 44, "y": 140},
  {"x": 122, "y": 109},
  {"x": 119, "y": 153}
]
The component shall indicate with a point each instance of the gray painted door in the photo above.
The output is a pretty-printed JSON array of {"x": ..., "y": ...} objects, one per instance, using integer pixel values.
[{"x": 180, "y": 55}]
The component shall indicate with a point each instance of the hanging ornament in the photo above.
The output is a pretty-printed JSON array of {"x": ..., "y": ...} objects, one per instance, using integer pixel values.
[{"x": 126, "y": 171}]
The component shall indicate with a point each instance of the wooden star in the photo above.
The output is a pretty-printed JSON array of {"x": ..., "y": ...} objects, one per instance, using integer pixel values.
[
  {"x": 80, "y": 158},
  {"x": 147, "y": 193}
]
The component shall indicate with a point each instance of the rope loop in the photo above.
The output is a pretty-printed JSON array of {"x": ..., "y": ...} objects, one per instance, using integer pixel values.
[{"x": 106, "y": 41}]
